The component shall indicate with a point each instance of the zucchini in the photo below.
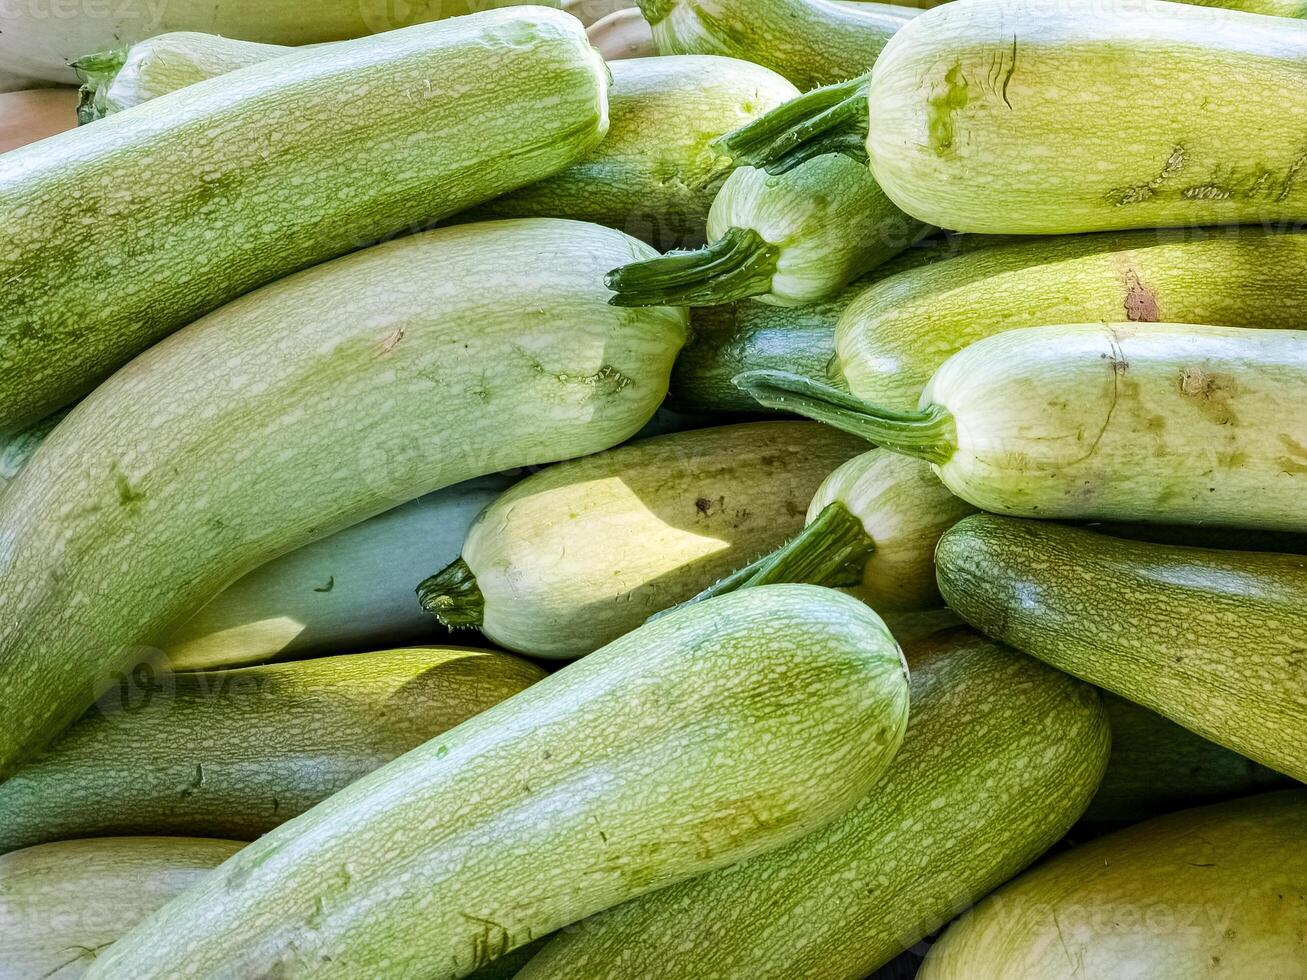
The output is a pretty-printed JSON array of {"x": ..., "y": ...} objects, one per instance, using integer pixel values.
[
  {"x": 1158, "y": 767},
  {"x": 1217, "y": 891},
  {"x": 1000, "y": 757},
  {"x": 590, "y": 12},
  {"x": 293, "y": 180},
  {"x": 234, "y": 753},
  {"x": 29, "y": 116},
  {"x": 1156, "y": 624},
  {"x": 1168, "y": 423},
  {"x": 1274, "y": 8},
  {"x": 1181, "y": 112},
  {"x": 717, "y": 733},
  {"x": 320, "y": 419},
  {"x": 788, "y": 239},
  {"x": 810, "y": 42},
  {"x": 16, "y": 450},
  {"x": 575, "y": 556},
  {"x": 621, "y": 35},
  {"x": 896, "y": 334},
  {"x": 62, "y": 904}
]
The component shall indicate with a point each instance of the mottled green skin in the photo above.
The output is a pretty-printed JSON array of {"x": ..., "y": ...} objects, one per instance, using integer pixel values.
[
  {"x": 1274, "y": 8},
  {"x": 714, "y": 734},
  {"x": 1001, "y": 756},
  {"x": 63, "y": 904},
  {"x": 1158, "y": 767},
  {"x": 235, "y": 753},
  {"x": 299, "y": 410},
  {"x": 581, "y": 553},
  {"x": 118, "y": 234},
  {"x": 1021, "y": 116},
  {"x": 1218, "y": 892},
  {"x": 810, "y": 42},
  {"x": 1214, "y": 640},
  {"x": 895, "y": 334}
]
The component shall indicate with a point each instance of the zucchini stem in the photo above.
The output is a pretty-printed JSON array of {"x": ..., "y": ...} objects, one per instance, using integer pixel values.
[
  {"x": 453, "y": 597},
  {"x": 738, "y": 265},
  {"x": 929, "y": 434},
  {"x": 96, "y": 72},
  {"x": 826, "y": 120}
]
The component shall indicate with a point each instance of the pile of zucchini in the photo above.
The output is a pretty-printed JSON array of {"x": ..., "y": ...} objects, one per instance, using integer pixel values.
[{"x": 577, "y": 490}]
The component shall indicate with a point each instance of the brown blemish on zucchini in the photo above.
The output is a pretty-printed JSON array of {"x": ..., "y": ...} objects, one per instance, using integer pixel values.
[
  {"x": 1140, "y": 300},
  {"x": 1288, "y": 463},
  {"x": 1210, "y": 392}
]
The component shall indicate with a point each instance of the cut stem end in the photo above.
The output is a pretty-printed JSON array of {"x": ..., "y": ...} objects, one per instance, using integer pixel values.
[
  {"x": 738, "y": 265},
  {"x": 453, "y": 597}
]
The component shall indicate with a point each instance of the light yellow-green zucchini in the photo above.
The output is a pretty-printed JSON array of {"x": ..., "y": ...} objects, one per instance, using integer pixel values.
[
  {"x": 717, "y": 733},
  {"x": 622, "y": 35}
]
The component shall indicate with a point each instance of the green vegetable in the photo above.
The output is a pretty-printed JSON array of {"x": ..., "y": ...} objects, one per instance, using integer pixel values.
[
  {"x": 717, "y": 733},
  {"x": 16, "y": 450},
  {"x": 1217, "y": 891},
  {"x": 122, "y": 233},
  {"x": 1157, "y": 767},
  {"x": 583, "y": 552},
  {"x": 235, "y": 753},
  {"x": 1001, "y": 756},
  {"x": 320, "y": 417},
  {"x": 810, "y": 42},
  {"x": 1275, "y": 8},
  {"x": 1168, "y": 423},
  {"x": 788, "y": 239},
  {"x": 1209, "y": 639}
]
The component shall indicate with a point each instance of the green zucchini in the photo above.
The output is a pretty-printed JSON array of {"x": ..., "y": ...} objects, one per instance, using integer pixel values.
[
  {"x": 1168, "y": 423},
  {"x": 320, "y": 418},
  {"x": 1158, "y": 767},
  {"x": 317, "y": 153},
  {"x": 810, "y": 42},
  {"x": 1000, "y": 757},
  {"x": 1213, "y": 640},
  {"x": 717, "y": 733},
  {"x": 1213, "y": 892},
  {"x": 788, "y": 239},
  {"x": 896, "y": 334},
  {"x": 234, "y": 753},
  {"x": 16, "y": 450},
  {"x": 1013, "y": 116},
  {"x": 1274, "y": 8},
  {"x": 62, "y": 904},
  {"x": 575, "y": 556}
]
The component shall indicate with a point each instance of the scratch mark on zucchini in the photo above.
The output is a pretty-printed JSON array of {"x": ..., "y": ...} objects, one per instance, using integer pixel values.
[
  {"x": 331, "y": 584},
  {"x": 1007, "y": 79}
]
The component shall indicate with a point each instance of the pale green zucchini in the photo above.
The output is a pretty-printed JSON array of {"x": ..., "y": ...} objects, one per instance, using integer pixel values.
[
  {"x": 1213, "y": 640},
  {"x": 1018, "y": 116},
  {"x": 234, "y": 753},
  {"x": 894, "y": 336},
  {"x": 1158, "y": 767},
  {"x": 123, "y": 233},
  {"x": 16, "y": 450},
  {"x": 592, "y": 11},
  {"x": 320, "y": 418},
  {"x": 717, "y": 733},
  {"x": 1213, "y": 892},
  {"x": 575, "y": 556},
  {"x": 788, "y": 239},
  {"x": 1168, "y": 423},
  {"x": 622, "y": 35},
  {"x": 1274, "y": 8},
  {"x": 40, "y": 41},
  {"x": 810, "y": 42},
  {"x": 62, "y": 905},
  {"x": 1000, "y": 757}
]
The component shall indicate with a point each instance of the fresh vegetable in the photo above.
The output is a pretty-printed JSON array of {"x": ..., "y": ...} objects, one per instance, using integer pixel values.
[
  {"x": 319, "y": 152},
  {"x": 320, "y": 417},
  {"x": 1217, "y": 891},
  {"x": 234, "y": 753},
  {"x": 62, "y": 904},
  {"x": 1001, "y": 756},
  {"x": 1158, "y": 767},
  {"x": 810, "y": 42},
  {"x": 896, "y": 334},
  {"x": 719, "y": 732},
  {"x": 622, "y": 34},
  {"x": 1013, "y": 116},
  {"x": 1213, "y": 640},
  {"x": 29, "y": 116},
  {"x": 16, "y": 450},
  {"x": 1167, "y": 423},
  {"x": 1274, "y": 8},
  {"x": 575, "y": 556},
  {"x": 789, "y": 239},
  {"x": 591, "y": 12}
]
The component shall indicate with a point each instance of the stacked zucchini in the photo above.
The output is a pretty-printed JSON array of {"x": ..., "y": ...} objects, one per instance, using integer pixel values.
[{"x": 412, "y": 564}]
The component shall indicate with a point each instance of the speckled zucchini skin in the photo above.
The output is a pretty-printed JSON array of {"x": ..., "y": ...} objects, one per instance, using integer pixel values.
[
  {"x": 1001, "y": 756},
  {"x": 1213, "y": 640},
  {"x": 119, "y": 234},
  {"x": 986, "y": 113},
  {"x": 1213, "y": 892},
  {"x": 716, "y": 733},
  {"x": 296, "y": 411}
]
